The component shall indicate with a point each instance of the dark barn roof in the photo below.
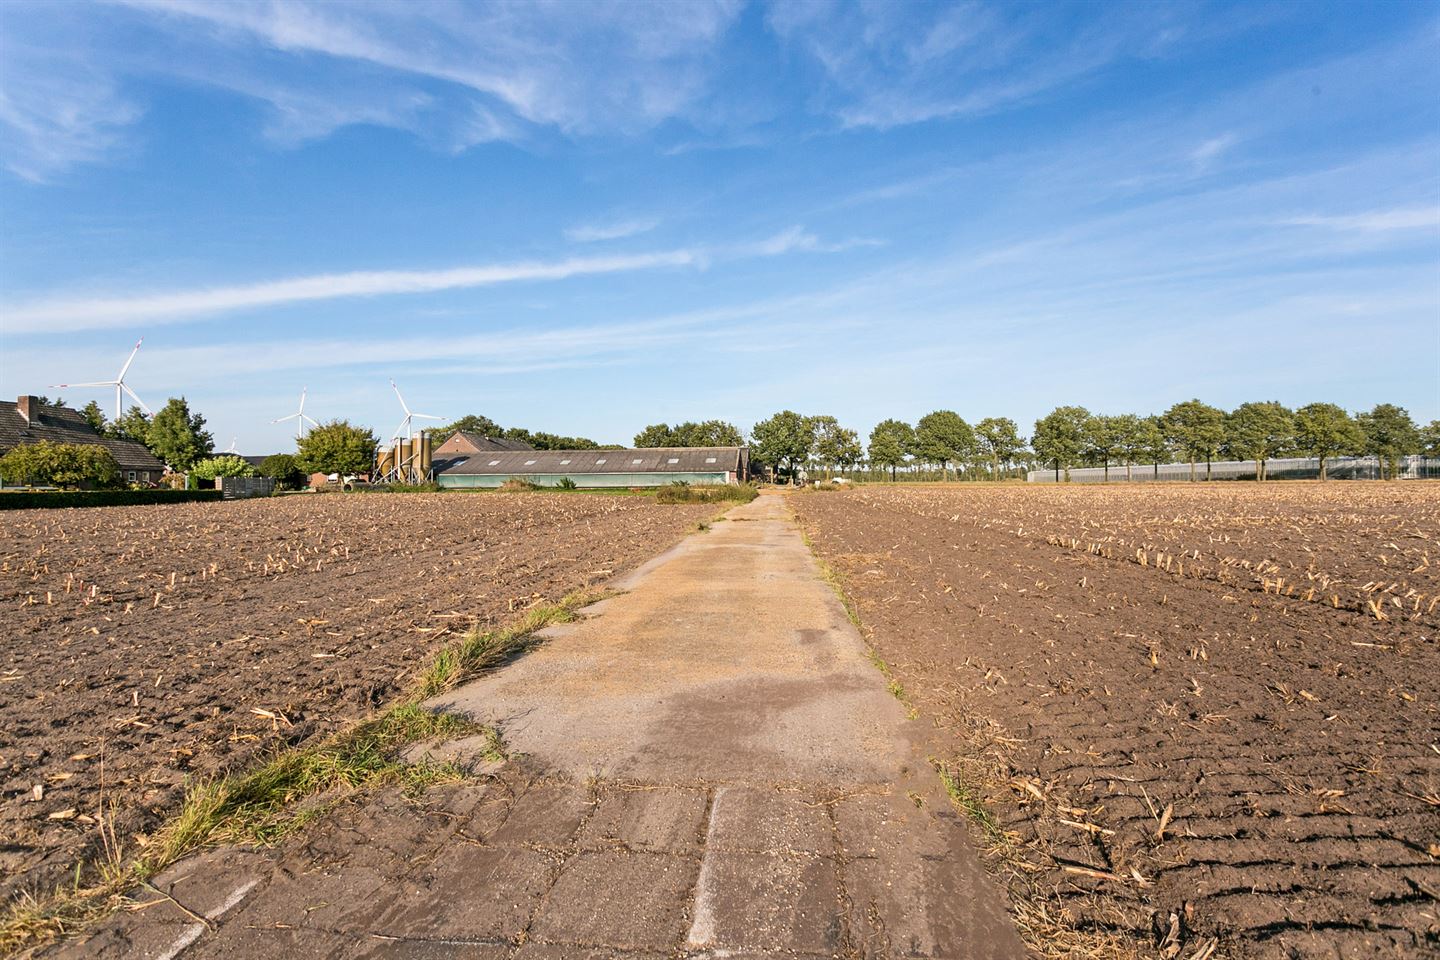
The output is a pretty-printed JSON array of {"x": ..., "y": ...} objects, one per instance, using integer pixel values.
[
  {"x": 650, "y": 460},
  {"x": 481, "y": 442},
  {"x": 64, "y": 425}
]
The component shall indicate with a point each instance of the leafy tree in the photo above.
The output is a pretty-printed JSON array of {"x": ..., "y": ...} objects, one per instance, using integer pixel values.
[
  {"x": 471, "y": 423},
  {"x": 1259, "y": 431},
  {"x": 1129, "y": 440},
  {"x": 1060, "y": 438},
  {"x": 178, "y": 437},
  {"x": 285, "y": 470},
  {"x": 68, "y": 465},
  {"x": 1389, "y": 435},
  {"x": 835, "y": 446},
  {"x": 1103, "y": 438},
  {"x": 1152, "y": 443},
  {"x": 226, "y": 465},
  {"x": 337, "y": 447},
  {"x": 1197, "y": 429},
  {"x": 541, "y": 440},
  {"x": 890, "y": 442},
  {"x": 1430, "y": 439},
  {"x": 1324, "y": 430},
  {"x": 710, "y": 433},
  {"x": 944, "y": 437},
  {"x": 96, "y": 417},
  {"x": 133, "y": 425},
  {"x": 656, "y": 435},
  {"x": 999, "y": 439},
  {"x": 784, "y": 439}
]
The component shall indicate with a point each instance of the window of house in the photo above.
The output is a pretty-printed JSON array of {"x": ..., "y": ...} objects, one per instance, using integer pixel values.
[{"x": 132, "y": 476}]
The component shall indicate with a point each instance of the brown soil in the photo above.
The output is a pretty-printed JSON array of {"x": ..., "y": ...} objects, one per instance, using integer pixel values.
[
  {"x": 1101, "y": 660},
  {"x": 147, "y": 645}
]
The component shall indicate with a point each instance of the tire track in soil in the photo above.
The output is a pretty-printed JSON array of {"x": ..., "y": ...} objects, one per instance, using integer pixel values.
[
  {"x": 1295, "y": 743},
  {"x": 145, "y": 637}
]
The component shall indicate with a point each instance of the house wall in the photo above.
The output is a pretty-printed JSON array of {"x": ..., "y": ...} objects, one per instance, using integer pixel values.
[{"x": 480, "y": 481}]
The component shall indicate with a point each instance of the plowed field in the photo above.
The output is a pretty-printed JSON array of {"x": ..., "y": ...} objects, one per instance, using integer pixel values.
[
  {"x": 145, "y": 645},
  {"x": 1193, "y": 712}
]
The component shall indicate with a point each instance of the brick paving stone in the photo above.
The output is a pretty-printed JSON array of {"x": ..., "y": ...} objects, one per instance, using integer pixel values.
[
  {"x": 620, "y": 899},
  {"x": 650, "y": 818},
  {"x": 381, "y": 949},
  {"x": 211, "y": 883},
  {"x": 332, "y": 898},
  {"x": 754, "y": 901},
  {"x": 238, "y": 943},
  {"x": 475, "y": 893},
  {"x": 127, "y": 935},
  {"x": 870, "y": 823},
  {"x": 903, "y": 905},
  {"x": 760, "y": 820},
  {"x": 555, "y": 951},
  {"x": 546, "y": 814}
]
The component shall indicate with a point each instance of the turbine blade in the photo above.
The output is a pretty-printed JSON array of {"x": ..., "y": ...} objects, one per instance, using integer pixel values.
[
  {"x": 97, "y": 383},
  {"x": 302, "y": 399},
  {"x": 125, "y": 369},
  {"x": 312, "y": 420},
  {"x": 425, "y": 416},
  {"x": 283, "y": 419},
  {"x": 403, "y": 406},
  {"x": 134, "y": 396}
]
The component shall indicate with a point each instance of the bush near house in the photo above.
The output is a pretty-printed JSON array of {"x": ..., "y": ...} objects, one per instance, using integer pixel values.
[{"x": 67, "y": 465}]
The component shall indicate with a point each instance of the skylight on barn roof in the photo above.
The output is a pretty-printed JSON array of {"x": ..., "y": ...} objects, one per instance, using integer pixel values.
[
  {"x": 637, "y": 460},
  {"x": 529, "y": 463},
  {"x": 564, "y": 461},
  {"x": 600, "y": 461},
  {"x": 709, "y": 459},
  {"x": 494, "y": 463},
  {"x": 673, "y": 460}
]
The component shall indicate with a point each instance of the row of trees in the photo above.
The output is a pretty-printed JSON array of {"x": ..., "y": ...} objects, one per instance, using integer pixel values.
[
  {"x": 1261, "y": 431},
  {"x": 1072, "y": 436}
]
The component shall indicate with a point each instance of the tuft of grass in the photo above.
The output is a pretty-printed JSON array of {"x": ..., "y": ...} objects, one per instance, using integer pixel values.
[
  {"x": 706, "y": 493},
  {"x": 518, "y": 485},
  {"x": 479, "y": 650},
  {"x": 969, "y": 802}
]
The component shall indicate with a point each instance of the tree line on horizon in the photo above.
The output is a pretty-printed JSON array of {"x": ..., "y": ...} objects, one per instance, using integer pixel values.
[{"x": 1070, "y": 436}]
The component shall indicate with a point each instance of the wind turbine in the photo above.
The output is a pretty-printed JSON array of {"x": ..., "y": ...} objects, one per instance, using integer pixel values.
[
  {"x": 299, "y": 417},
  {"x": 231, "y": 448},
  {"x": 118, "y": 383},
  {"x": 403, "y": 431}
]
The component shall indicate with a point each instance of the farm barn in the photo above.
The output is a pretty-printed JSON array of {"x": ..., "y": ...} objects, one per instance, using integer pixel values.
[
  {"x": 27, "y": 420},
  {"x": 462, "y": 443},
  {"x": 650, "y": 467}
]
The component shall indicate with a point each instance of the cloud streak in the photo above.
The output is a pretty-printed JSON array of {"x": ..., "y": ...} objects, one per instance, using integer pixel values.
[
  {"x": 1374, "y": 221},
  {"x": 614, "y": 230},
  {"x": 56, "y": 316}
]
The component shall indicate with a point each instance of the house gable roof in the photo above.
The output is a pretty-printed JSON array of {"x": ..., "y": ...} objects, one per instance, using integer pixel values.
[{"x": 64, "y": 425}]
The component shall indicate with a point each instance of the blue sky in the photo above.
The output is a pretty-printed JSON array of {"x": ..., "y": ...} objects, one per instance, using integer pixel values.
[{"x": 584, "y": 218}]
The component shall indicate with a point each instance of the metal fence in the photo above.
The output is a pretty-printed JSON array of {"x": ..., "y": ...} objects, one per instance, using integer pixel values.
[
  {"x": 239, "y": 488},
  {"x": 1285, "y": 468}
]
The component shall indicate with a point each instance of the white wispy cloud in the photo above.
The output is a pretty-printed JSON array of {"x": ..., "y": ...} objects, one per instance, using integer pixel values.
[
  {"x": 61, "y": 315},
  {"x": 610, "y": 230},
  {"x": 54, "y": 316},
  {"x": 1373, "y": 221}
]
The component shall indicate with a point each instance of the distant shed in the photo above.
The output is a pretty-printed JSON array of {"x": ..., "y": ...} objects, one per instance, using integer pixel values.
[{"x": 651, "y": 467}]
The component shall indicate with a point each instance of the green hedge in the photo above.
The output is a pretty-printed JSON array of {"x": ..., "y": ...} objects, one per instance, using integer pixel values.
[{"x": 25, "y": 500}]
